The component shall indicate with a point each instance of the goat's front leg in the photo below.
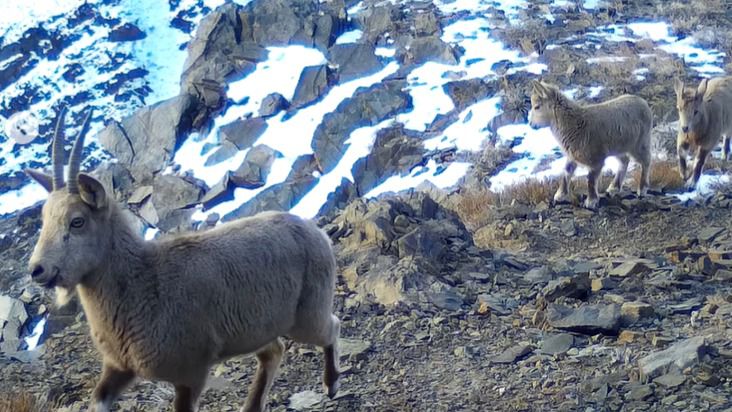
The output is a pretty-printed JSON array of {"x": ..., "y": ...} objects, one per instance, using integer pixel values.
[
  {"x": 701, "y": 157},
  {"x": 268, "y": 362},
  {"x": 186, "y": 395},
  {"x": 681, "y": 151},
  {"x": 111, "y": 384},
  {"x": 592, "y": 197},
  {"x": 725, "y": 148},
  {"x": 563, "y": 191}
]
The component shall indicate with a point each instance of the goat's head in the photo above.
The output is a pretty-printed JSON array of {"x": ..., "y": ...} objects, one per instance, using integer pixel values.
[
  {"x": 542, "y": 98},
  {"x": 689, "y": 104},
  {"x": 76, "y": 217}
]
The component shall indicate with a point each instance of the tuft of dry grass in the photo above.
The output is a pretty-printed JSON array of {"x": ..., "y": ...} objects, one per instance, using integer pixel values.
[
  {"x": 20, "y": 402},
  {"x": 475, "y": 206},
  {"x": 664, "y": 176},
  {"x": 531, "y": 191}
]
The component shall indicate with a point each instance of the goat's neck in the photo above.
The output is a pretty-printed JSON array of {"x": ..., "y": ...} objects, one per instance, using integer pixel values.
[
  {"x": 568, "y": 119},
  {"x": 706, "y": 111},
  {"x": 127, "y": 253}
]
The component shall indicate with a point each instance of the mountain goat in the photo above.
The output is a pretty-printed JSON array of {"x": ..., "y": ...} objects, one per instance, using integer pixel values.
[
  {"x": 589, "y": 134},
  {"x": 705, "y": 116},
  {"x": 170, "y": 309}
]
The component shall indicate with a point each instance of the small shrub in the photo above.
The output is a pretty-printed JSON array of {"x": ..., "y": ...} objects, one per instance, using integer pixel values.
[
  {"x": 664, "y": 176},
  {"x": 531, "y": 191},
  {"x": 20, "y": 402}
]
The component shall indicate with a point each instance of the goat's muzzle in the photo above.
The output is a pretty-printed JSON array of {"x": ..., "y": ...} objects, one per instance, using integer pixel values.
[{"x": 44, "y": 277}]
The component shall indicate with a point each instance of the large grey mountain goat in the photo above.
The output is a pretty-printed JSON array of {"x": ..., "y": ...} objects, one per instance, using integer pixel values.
[
  {"x": 705, "y": 116},
  {"x": 170, "y": 309},
  {"x": 589, "y": 134}
]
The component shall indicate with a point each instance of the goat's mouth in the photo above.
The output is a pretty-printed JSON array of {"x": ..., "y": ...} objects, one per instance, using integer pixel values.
[{"x": 53, "y": 280}]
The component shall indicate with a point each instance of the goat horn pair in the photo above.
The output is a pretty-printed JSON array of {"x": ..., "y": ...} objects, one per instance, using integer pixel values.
[{"x": 74, "y": 158}]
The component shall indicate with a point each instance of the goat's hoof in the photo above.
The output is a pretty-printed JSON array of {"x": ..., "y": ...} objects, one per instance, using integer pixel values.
[
  {"x": 690, "y": 185},
  {"x": 332, "y": 389},
  {"x": 591, "y": 203},
  {"x": 561, "y": 198}
]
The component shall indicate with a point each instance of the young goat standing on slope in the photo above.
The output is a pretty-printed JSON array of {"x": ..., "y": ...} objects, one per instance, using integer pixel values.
[
  {"x": 170, "y": 309},
  {"x": 705, "y": 116},
  {"x": 589, "y": 134}
]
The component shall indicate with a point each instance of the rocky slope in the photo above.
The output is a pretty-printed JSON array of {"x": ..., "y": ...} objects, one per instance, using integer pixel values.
[{"x": 450, "y": 300}]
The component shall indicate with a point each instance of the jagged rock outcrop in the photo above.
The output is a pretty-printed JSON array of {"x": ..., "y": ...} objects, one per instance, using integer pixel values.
[
  {"x": 366, "y": 108},
  {"x": 146, "y": 141}
]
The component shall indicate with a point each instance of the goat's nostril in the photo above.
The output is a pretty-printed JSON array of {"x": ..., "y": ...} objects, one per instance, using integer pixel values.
[
  {"x": 37, "y": 271},
  {"x": 685, "y": 129}
]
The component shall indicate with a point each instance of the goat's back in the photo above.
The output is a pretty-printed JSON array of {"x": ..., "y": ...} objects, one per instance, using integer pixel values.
[
  {"x": 249, "y": 279},
  {"x": 622, "y": 109},
  {"x": 617, "y": 126},
  {"x": 719, "y": 88},
  {"x": 718, "y": 99}
]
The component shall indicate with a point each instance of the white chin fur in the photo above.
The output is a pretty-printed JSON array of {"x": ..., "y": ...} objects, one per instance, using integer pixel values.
[{"x": 63, "y": 296}]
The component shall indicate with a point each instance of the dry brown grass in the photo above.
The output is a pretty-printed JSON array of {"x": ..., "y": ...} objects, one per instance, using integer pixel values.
[
  {"x": 475, "y": 206},
  {"x": 20, "y": 402},
  {"x": 531, "y": 192},
  {"x": 689, "y": 16},
  {"x": 664, "y": 176}
]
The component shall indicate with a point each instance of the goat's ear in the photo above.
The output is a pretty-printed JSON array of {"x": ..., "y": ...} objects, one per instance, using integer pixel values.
[
  {"x": 43, "y": 179},
  {"x": 539, "y": 88},
  {"x": 678, "y": 86},
  {"x": 702, "y": 89},
  {"x": 92, "y": 191}
]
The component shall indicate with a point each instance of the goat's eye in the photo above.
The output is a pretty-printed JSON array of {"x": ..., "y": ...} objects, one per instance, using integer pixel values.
[
  {"x": 537, "y": 107},
  {"x": 696, "y": 112},
  {"x": 77, "y": 222}
]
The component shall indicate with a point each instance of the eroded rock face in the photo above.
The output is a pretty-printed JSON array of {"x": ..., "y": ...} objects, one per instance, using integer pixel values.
[
  {"x": 394, "y": 249},
  {"x": 282, "y": 196},
  {"x": 395, "y": 151},
  {"x": 231, "y": 40},
  {"x": 12, "y": 318},
  {"x": 244, "y": 132},
  {"x": 218, "y": 51},
  {"x": 145, "y": 141},
  {"x": 313, "y": 84},
  {"x": 427, "y": 49},
  {"x": 366, "y": 108},
  {"x": 254, "y": 170},
  {"x": 173, "y": 192},
  {"x": 354, "y": 60},
  {"x": 273, "y": 104}
]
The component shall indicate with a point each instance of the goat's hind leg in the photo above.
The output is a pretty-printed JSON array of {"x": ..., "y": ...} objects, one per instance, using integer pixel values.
[
  {"x": 331, "y": 374},
  {"x": 725, "y": 148},
  {"x": 644, "y": 158},
  {"x": 269, "y": 359},
  {"x": 111, "y": 384},
  {"x": 562, "y": 193},
  {"x": 324, "y": 334},
  {"x": 617, "y": 183}
]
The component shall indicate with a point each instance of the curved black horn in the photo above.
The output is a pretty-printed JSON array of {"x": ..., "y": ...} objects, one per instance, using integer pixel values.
[
  {"x": 57, "y": 151},
  {"x": 75, "y": 157}
]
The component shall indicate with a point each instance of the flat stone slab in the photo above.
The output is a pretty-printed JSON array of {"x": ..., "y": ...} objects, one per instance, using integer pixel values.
[{"x": 679, "y": 356}]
